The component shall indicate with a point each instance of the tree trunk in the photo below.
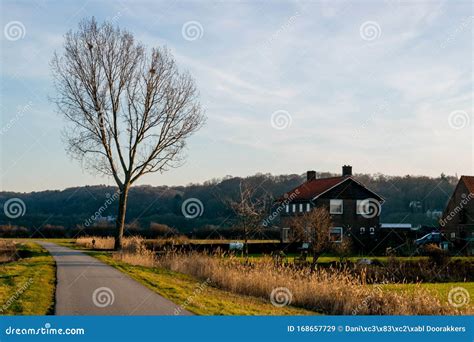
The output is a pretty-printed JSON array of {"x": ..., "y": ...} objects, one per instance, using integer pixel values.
[
  {"x": 120, "y": 223},
  {"x": 315, "y": 261}
]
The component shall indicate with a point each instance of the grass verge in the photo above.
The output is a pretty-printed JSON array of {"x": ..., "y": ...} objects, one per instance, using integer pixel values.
[
  {"x": 195, "y": 295},
  {"x": 442, "y": 291},
  {"x": 27, "y": 285}
]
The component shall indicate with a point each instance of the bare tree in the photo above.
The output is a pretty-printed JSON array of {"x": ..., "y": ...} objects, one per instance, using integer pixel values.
[
  {"x": 129, "y": 111},
  {"x": 315, "y": 227},
  {"x": 250, "y": 209}
]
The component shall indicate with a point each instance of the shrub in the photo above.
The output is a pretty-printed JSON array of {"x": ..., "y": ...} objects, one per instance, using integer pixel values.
[
  {"x": 436, "y": 255},
  {"x": 160, "y": 230}
]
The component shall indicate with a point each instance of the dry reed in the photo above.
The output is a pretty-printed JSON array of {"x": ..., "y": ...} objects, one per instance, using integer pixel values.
[
  {"x": 331, "y": 292},
  {"x": 134, "y": 249},
  {"x": 328, "y": 291},
  {"x": 8, "y": 251},
  {"x": 96, "y": 242}
]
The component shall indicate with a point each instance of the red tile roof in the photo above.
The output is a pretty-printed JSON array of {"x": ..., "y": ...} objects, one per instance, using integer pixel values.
[
  {"x": 310, "y": 189},
  {"x": 469, "y": 182}
]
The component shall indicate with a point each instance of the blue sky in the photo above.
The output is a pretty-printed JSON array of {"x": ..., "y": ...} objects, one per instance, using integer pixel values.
[{"x": 287, "y": 86}]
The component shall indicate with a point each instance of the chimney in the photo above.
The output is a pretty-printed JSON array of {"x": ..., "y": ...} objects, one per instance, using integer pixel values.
[
  {"x": 346, "y": 170},
  {"x": 310, "y": 175}
]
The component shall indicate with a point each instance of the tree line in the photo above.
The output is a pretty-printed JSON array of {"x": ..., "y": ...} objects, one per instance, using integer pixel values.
[{"x": 408, "y": 199}]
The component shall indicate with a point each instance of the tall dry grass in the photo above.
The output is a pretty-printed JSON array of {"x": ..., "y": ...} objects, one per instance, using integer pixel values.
[
  {"x": 8, "y": 251},
  {"x": 328, "y": 291},
  {"x": 134, "y": 252},
  {"x": 134, "y": 249},
  {"x": 96, "y": 242}
]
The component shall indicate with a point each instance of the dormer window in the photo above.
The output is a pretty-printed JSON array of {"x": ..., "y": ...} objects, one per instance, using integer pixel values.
[{"x": 335, "y": 206}]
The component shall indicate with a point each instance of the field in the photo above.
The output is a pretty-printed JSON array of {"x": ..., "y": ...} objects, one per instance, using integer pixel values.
[
  {"x": 27, "y": 284},
  {"x": 441, "y": 289},
  {"x": 228, "y": 285},
  {"x": 326, "y": 292},
  {"x": 198, "y": 295}
]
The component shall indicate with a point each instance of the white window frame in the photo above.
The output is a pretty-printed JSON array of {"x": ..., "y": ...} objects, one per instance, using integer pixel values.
[
  {"x": 337, "y": 230},
  {"x": 362, "y": 230},
  {"x": 372, "y": 230},
  {"x": 358, "y": 207},
  {"x": 285, "y": 234},
  {"x": 301, "y": 207},
  {"x": 341, "y": 202},
  {"x": 293, "y": 208},
  {"x": 453, "y": 235},
  {"x": 287, "y": 208},
  {"x": 308, "y": 207}
]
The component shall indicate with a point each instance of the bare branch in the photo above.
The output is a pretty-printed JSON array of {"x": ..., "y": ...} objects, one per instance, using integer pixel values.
[{"x": 129, "y": 113}]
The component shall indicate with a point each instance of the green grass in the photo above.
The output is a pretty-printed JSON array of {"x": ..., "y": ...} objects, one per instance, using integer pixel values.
[
  {"x": 441, "y": 289},
  {"x": 27, "y": 285},
  {"x": 200, "y": 297}
]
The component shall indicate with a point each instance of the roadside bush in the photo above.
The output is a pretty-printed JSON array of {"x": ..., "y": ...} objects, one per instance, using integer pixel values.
[
  {"x": 13, "y": 231},
  {"x": 436, "y": 255},
  {"x": 161, "y": 230}
]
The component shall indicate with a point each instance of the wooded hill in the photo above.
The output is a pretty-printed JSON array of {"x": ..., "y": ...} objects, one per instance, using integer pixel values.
[{"x": 407, "y": 200}]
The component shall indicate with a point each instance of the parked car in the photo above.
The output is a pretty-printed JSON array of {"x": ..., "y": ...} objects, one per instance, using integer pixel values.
[{"x": 435, "y": 238}]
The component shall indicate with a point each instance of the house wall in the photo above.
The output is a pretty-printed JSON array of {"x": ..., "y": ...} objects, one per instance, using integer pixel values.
[
  {"x": 349, "y": 220},
  {"x": 457, "y": 221}
]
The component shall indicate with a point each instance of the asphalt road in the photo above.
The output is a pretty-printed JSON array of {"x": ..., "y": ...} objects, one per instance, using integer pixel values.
[{"x": 87, "y": 286}]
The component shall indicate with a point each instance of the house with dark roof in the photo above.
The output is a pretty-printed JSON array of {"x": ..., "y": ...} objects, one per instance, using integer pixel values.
[
  {"x": 457, "y": 221},
  {"x": 354, "y": 208}
]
